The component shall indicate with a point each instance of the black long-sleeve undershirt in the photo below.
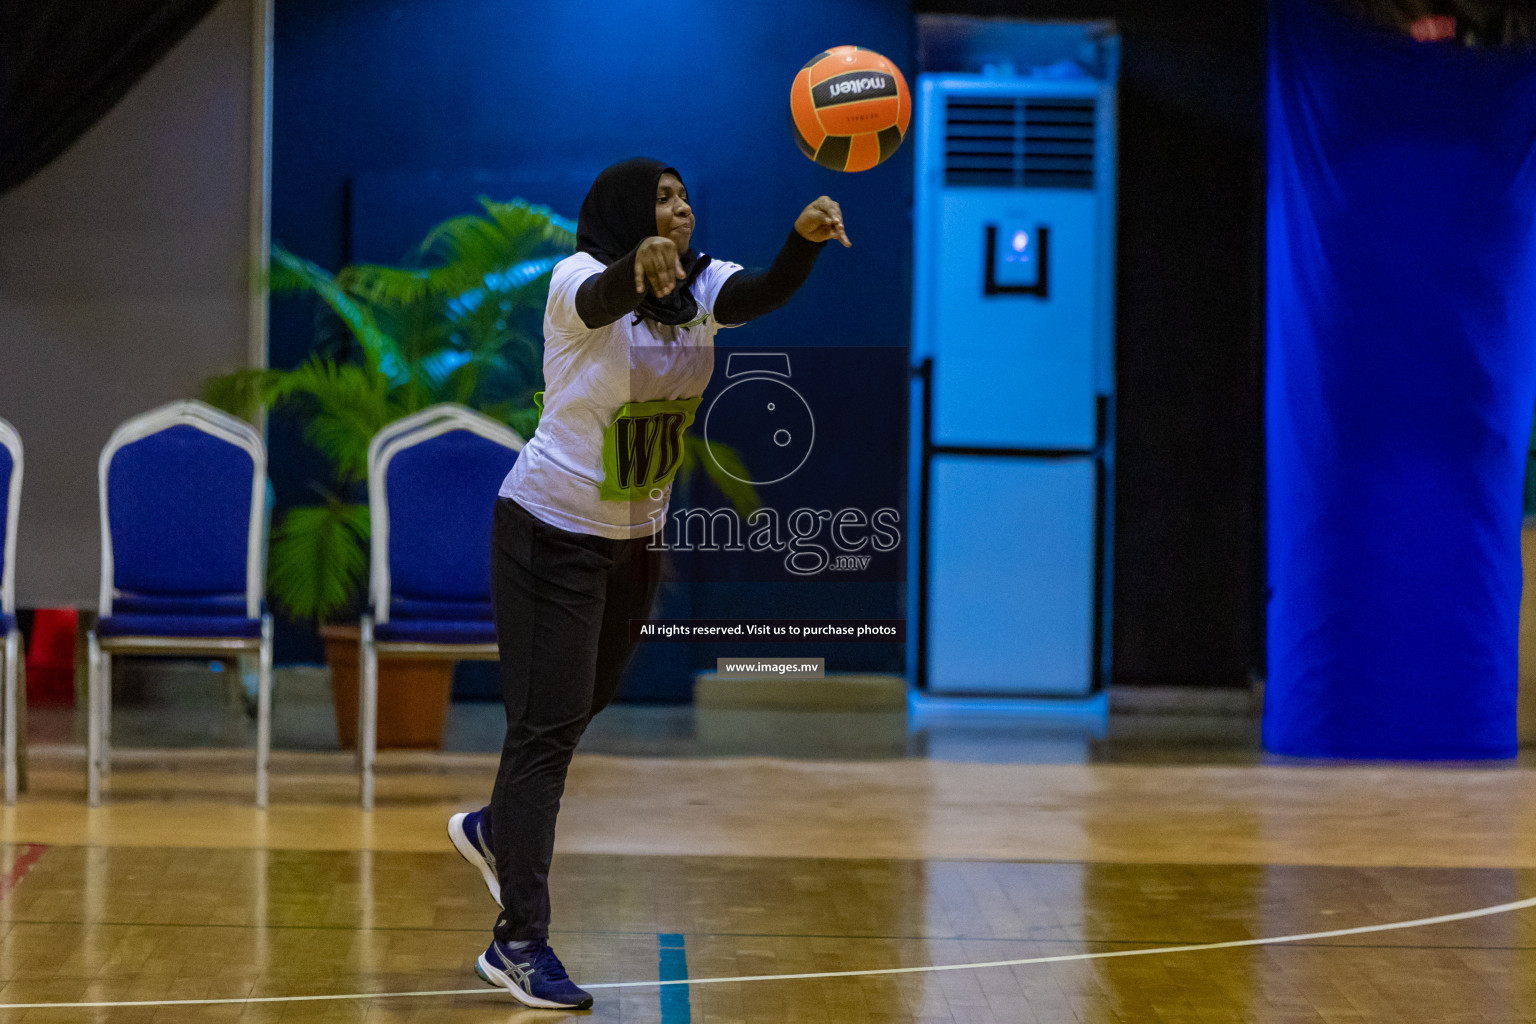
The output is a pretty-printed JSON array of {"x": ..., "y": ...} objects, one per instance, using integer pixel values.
[
  {"x": 746, "y": 295},
  {"x": 603, "y": 298},
  {"x": 749, "y": 294}
]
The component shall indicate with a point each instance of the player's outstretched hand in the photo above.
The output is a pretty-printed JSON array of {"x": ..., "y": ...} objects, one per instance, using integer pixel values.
[
  {"x": 657, "y": 266},
  {"x": 822, "y": 221}
]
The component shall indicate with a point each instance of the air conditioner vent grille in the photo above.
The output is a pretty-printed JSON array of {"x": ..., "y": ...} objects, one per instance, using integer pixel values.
[{"x": 1019, "y": 142}]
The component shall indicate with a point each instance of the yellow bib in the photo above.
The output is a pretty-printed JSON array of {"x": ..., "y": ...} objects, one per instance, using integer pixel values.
[{"x": 643, "y": 447}]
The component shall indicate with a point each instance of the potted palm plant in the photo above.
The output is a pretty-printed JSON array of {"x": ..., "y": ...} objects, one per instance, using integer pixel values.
[{"x": 460, "y": 323}]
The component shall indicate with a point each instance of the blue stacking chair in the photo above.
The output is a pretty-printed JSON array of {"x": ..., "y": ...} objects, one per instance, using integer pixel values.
[
  {"x": 408, "y": 424},
  {"x": 10, "y": 508},
  {"x": 432, "y": 487},
  {"x": 183, "y": 495}
]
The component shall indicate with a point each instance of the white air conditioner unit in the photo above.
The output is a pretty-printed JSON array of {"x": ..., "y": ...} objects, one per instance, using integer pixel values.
[{"x": 1013, "y": 353}]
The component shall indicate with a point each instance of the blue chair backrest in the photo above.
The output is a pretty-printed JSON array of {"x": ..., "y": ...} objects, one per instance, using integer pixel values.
[
  {"x": 10, "y": 493},
  {"x": 441, "y": 493},
  {"x": 178, "y": 505},
  {"x": 7, "y": 466}
]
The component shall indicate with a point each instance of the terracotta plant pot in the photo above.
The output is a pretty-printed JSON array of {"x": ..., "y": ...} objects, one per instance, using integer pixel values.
[{"x": 413, "y": 694}]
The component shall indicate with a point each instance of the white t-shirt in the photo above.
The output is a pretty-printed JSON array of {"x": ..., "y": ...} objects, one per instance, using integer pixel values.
[{"x": 588, "y": 375}]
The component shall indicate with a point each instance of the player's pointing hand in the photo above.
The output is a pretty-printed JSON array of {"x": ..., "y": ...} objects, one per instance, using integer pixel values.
[
  {"x": 822, "y": 221},
  {"x": 657, "y": 266}
]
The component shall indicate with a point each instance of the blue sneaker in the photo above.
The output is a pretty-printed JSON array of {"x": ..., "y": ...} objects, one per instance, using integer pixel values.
[
  {"x": 533, "y": 974},
  {"x": 471, "y": 835}
]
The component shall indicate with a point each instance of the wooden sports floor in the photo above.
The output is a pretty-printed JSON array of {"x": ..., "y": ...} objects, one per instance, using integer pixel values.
[{"x": 964, "y": 893}]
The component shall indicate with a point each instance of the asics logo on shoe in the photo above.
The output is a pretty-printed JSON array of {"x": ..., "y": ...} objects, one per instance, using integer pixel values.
[
  {"x": 520, "y": 973},
  {"x": 480, "y": 839}
]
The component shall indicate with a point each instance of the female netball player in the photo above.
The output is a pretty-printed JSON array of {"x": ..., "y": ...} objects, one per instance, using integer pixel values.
[{"x": 628, "y": 349}]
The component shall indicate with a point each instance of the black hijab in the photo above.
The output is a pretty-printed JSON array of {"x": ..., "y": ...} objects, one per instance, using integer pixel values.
[{"x": 618, "y": 214}]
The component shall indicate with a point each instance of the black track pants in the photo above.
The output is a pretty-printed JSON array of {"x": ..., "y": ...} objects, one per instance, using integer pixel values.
[{"x": 563, "y": 602}]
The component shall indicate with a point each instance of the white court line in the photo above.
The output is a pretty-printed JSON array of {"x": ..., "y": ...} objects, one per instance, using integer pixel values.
[{"x": 1465, "y": 915}]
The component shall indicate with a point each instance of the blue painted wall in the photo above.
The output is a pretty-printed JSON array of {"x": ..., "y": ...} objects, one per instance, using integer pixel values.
[
  {"x": 428, "y": 103},
  {"x": 365, "y": 86}
]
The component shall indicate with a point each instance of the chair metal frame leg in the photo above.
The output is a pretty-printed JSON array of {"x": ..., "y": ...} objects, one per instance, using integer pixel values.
[
  {"x": 105, "y": 707},
  {"x": 10, "y": 709},
  {"x": 99, "y": 695},
  {"x": 93, "y": 720},
  {"x": 264, "y": 712},
  {"x": 367, "y": 708}
]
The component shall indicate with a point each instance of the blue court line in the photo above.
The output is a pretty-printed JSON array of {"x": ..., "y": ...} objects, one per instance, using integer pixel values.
[{"x": 673, "y": 966}]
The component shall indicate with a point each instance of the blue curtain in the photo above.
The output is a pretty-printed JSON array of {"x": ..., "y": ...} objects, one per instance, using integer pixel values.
[{"x": 1401, "y": 379}]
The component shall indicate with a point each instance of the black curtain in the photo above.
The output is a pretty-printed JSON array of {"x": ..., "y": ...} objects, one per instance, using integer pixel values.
[{"x": 65, "y": 63}]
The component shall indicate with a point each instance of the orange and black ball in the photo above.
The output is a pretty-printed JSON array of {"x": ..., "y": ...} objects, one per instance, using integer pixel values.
[{"x": 850, "y": 108}]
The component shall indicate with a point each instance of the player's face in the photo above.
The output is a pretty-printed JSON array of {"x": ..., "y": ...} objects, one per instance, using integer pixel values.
[{"x": 674, "y": 217}]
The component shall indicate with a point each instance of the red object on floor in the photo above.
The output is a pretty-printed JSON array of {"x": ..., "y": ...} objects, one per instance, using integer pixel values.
[
  {"x": 51, "y": 657},
  {"x": 1433, "y": 28}
]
